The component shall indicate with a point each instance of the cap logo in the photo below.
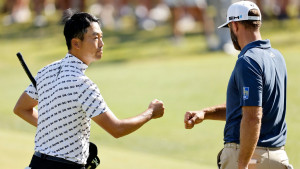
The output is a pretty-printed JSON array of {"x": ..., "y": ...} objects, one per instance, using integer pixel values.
[{"x": 235, "y": 17}]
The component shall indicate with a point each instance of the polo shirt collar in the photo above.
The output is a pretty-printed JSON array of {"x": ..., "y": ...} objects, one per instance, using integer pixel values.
[
  {"x": 263, "y": 44},
  {"x": 74, "y": 60}
]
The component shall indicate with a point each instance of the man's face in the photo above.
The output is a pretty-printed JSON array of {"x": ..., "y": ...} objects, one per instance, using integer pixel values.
[
  {"x": 92, "y": 44},
  {"x": 234, "y": 40}
]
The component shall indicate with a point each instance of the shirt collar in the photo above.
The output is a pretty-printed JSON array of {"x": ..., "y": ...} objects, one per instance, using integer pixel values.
[
  {"x": 74, "y": 60},
  {"x": 263, "y": 44}
]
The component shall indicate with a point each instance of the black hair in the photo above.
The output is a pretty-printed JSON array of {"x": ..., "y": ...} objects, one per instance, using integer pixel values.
[{"x": 76, "y": 24}]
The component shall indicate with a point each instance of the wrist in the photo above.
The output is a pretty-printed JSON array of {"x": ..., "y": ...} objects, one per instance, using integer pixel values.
[
  {"x": 242, "y": 165},
  {"x": 148, "y": 113},
  {"x": 204, "y": 112}
]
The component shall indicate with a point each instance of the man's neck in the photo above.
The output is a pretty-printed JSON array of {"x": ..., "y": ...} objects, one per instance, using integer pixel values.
[
  {"x": 248, "y": 37},
  {"x": 79, "y": 56}
]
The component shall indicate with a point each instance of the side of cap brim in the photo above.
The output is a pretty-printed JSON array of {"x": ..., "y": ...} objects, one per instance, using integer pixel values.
[{"x": 225, "y": 25}]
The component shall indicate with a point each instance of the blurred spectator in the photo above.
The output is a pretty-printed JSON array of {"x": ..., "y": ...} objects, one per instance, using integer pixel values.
[
  {"x": 74, "y": 4},
  {"x": 282, "y": 5},
  {"x": 142, "y": 11},
  {"x": 184, "y": 14},
  {"x": 105, "y": 10},
  {"x": 18, "y": 11},
  {"x": 39, "y": 6},
  {"x": 298, "y": 9},
  {"x": 119, "y": 14},
  {"x": 147, "y": 14},
  {"x": 223, "y": 41},
  {"x": 151, "y": 13},
  {"x": 277, "y": 8}
]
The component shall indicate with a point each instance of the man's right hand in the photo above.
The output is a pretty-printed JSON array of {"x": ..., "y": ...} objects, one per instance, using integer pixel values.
[
  {"x": 157, "y": 108},
  {"x": 193, "y": 117}
]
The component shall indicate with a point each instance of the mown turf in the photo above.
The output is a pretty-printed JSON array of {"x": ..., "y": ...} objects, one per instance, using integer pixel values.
[{"x": 137, "y": 67}]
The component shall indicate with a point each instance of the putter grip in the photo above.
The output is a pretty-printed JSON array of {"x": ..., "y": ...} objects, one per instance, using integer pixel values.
[{"x": 20, "y": 57}]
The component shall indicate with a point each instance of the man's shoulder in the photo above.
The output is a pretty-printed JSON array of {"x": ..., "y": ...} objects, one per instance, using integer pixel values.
[
  {"x": 85, "y": 82},
  {"x": 248, "y": 57},
  {"x": 257, "y": 55},
  {"x": 254, "y": 53},
  {"x": 49, "y": 67},
  {"x": 249, "y": 61},
  {"x": 262, "y": 56}
]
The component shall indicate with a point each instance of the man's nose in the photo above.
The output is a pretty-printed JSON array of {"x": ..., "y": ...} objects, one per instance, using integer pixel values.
[{"x": 101, "y": 43}]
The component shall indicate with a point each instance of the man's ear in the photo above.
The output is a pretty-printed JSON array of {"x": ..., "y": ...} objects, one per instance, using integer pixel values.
[
  {"x": 235, "y": 27},
  {"x": 76, "y": 43}
]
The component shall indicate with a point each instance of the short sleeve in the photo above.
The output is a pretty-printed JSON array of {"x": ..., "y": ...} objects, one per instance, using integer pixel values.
[
  {"x": 91, "y": 100},
  {"x": 249, "y": 81},
  {"x": 32, "y": 92}
]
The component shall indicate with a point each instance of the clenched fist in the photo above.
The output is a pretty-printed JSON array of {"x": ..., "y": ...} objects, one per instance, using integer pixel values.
[
  {"x": 157, "y": 108},
  {"x": 193, "y": 117}
]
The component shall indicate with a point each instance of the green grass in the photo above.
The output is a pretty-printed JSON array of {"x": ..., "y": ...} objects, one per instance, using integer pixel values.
[{"x": 137, "y": 67}]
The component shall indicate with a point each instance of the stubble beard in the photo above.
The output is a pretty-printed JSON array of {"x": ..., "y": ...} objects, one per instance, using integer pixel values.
[{"x": 235, "y": 40}]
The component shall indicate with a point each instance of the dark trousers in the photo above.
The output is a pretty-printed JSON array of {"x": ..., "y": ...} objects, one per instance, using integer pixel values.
[{"x": 39, "y": 163}]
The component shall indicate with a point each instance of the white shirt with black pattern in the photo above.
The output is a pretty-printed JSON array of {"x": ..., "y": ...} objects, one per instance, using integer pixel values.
[{"x": 67, "y": 100}]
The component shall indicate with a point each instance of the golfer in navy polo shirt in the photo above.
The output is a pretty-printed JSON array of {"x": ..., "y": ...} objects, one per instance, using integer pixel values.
[{"x": 255, "y": 130}]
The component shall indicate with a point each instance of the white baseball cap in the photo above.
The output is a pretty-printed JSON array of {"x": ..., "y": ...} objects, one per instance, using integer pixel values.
[{"x": 239, "y": 12}]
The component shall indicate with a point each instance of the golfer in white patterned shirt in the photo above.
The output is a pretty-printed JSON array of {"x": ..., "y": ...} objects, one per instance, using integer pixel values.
[{"x": 67, "y": 101}]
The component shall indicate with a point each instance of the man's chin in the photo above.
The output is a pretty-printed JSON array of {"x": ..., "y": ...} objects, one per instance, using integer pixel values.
[
  {"x": 98, "y": 56},
  {"x": 238, "y": 48}
]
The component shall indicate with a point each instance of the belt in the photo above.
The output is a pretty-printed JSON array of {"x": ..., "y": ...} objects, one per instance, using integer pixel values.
[
  {"x": 56, "y": 159},
  {"x": 237, "y": 146}
]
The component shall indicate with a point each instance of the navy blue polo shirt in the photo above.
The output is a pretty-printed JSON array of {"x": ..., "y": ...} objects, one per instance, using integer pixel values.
[{"x": 259, "y": 79}]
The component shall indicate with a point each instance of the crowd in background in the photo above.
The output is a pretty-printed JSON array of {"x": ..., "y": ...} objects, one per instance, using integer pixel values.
[{"x": 182, "y": 15}]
